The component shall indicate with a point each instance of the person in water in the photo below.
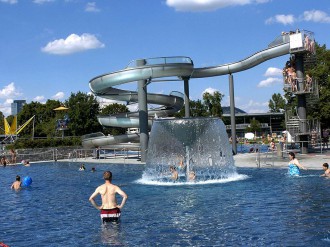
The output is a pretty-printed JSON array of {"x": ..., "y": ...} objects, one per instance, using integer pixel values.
[
  {"x": 17, "y": 185},
  {"x": 110, "y": 210},
  {"x": 82, "y": 168},
  {"x": 326, "y": 170},
  {"x": 192, "y": 176},
  {"x": 294, "y": 165},
  {"x": 174, "y": 172}
]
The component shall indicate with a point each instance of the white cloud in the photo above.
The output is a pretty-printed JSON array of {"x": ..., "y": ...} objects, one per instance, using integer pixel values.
[
  {"x": 9, "y": 1},
  {"x": 9, "y": 91},
  {"x": 269, "y": 82},
  {"x": 316, "y": 16},
  {"x": 5, "y": 107},
  {"x": 58, "y": 96},
  {"x": 271, "y": 71},
  {"x": 210, "y": 91},
  {"x": 255, "y": 107},
  {"x": 91, "y": 7},
  {"x": 283, "y": 19},
  {"x": 40, "y": 99},
  {"x": 42, "y": 1},
  {"x": 208, "y": 5},
  {"x": 72, "y": 44}
]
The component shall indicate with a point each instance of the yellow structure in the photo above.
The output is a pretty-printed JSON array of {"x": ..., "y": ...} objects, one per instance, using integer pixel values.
[{"x": 12, "y": 130}]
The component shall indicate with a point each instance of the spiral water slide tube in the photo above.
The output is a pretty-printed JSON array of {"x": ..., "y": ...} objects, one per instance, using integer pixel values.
[{"x": 164, "y": 67}]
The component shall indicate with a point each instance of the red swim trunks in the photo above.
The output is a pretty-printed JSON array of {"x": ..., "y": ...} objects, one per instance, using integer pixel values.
[{"x": 110, "y": 215}]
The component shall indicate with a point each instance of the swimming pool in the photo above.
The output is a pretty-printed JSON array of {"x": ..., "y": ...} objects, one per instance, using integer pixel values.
[{"x": 265, "y": 209}]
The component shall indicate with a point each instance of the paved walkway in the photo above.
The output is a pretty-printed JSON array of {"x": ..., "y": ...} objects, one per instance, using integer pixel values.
[{"x": 310, "y": 161}]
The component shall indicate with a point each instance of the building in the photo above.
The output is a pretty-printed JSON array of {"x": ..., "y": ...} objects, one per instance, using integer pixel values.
[
  {"x": 271, "y": 122},
  {"x": 17, "y": 106}
]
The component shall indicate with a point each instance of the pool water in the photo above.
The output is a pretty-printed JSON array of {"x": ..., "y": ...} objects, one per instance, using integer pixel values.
[{"x": 266, "y": 208}]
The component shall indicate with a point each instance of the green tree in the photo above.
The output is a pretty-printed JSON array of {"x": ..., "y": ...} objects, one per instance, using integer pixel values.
[
  {"x": 320, "y": 72},
  {"x": 198, "y": 109},
  {"x": 255, "y": 126},
  {"x": 277, "y": 103},
  {"x": 114, "y": 109},
  {"x": 213, "y": 103},
  {"x": 83, "y": 111},
  {"x": 43, "y": 124}
]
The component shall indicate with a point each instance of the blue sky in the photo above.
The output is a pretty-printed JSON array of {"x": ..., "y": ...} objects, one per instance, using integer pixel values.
[{"x": 50, "y": 48}]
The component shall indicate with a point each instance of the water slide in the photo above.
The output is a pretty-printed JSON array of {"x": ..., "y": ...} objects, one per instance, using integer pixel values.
[{"x": 162, "y": 69}]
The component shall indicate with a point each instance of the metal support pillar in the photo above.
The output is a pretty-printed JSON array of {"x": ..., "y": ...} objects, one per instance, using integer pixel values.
[
  {"x": 302, "y": 105},
  {"x": 186, "y": 97},
  {"x": 232, "y": 113},
  {"x": 143, "y": 114}
]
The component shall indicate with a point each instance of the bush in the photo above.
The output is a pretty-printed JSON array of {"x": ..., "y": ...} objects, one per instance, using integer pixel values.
[{"x": 44, "y": 143}]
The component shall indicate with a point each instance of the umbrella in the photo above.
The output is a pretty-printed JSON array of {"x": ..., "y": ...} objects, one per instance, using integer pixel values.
[
  {"x": 249, "y": 136},
  {"x": 61, "y": 108}
]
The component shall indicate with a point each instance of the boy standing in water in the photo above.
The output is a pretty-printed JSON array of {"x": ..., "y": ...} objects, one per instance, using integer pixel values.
[
  {"x": 110, "y": 210},
  {"x": 17, "y": 184},
  {"x": 326, "y": 170}
]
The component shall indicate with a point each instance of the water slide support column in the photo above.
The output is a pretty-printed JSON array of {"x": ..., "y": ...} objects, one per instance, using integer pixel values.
[
  {"x": 302, "y": 105},
  {"x": 143, "y": 114},
  {"x": 232, "y": 113},
  {"x": 186, "y": 97}
]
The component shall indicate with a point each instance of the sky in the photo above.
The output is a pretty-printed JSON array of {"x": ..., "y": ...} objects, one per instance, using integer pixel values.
[{"x": 52, "y": 48}]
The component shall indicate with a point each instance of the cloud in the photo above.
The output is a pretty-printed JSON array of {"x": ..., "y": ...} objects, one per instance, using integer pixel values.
[
  {"x": 91, "y": 7},
  {"x": 271, "y": 71},
  {"x": 5, "y": 107},
  {"x": 269, "y": 82},
  {"x": 9, "y": 91},
  {"x": 42, "y": 1},
  {"x": 58, "y": 96},
  {"x": 210, "y": 91},
  {"x": 308, "y": 16},
  {"x": 9, "y": 1},
  {"x": 255, "y": 107},
  {"x": 208, "y": 5},
  {"x": 72, "y": 44},
  {"x": 316, "y": 16},
  {"x": 40, "y": 99},
  {"x": 283, "y": 19}
]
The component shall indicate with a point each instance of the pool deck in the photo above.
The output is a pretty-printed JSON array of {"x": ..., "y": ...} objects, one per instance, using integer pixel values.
[{"x": 251, "y": 160}]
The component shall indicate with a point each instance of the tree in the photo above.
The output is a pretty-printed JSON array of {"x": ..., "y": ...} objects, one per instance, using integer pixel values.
[
  {"x": 320, "y": 72},
  {"x": 83, "y": 111},
  {"x": 276, "y": 103},
  {"x": 114, "y": 109},
  {"x": 255, "y": 126},
  {"x": 213, "y": 103}
]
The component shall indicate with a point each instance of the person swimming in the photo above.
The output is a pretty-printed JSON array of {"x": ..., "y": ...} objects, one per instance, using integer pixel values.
[{"x": 294, "y": 165}]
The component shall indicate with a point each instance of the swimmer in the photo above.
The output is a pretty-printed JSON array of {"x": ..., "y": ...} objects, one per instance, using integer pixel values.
[
  {"x": 181, "y": 165},
  {"x": 326, "y": 170},
  {"x": 294, "y": 165},
  {"x": 26, "y": 163},
  {"x": 110, "y": 210},
  {"x": 82, "y": 168},
  {"x": 192, "y": 176},
  {"x": 175, "y": 174},
  {"x": 93, "y": 169},
  {"x": 17, "y": 185}
]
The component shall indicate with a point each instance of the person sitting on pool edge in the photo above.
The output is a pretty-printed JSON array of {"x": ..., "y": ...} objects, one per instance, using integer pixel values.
[
  {"x": 174, "y": 172},
  {"x": 17, "y": 184},
  {"x": 326, "y": 170},
  {"x": 110, "y": 210}
]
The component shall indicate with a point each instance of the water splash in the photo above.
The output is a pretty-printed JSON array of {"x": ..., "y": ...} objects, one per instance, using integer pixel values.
[{"x": 200, "y": 143}]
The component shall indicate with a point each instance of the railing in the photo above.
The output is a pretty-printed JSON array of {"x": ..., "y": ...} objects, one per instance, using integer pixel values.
[
  {"x": 300, "y": 86},
  {"x": 161, "y": 60}
]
